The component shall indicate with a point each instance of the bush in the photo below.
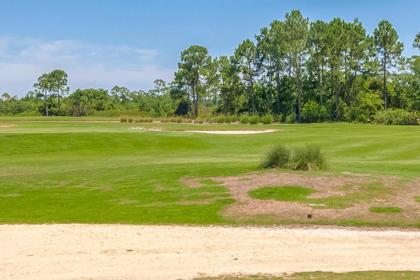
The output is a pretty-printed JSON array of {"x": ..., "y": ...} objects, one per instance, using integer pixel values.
[
  {"x": 397, "y": 117},
  {"x": 313, "y": 112},
  {"x": 230, "y": 119},
  {"x": 254, "y": 119},
  {"x": 277, "y": 157},
  {"x": 367, "y": 105},
  {"x": 244, "y": 119},
  {"x": 220, "y": 119},
  {"x": 291, "y": 118},
  {"x": 130, "y": 120},
  {"x": 267, "y": 119},
  {"x": 308, "y": 157},
  {"x": 123, "y": 119},
  {"x": 212, "y": 120}
]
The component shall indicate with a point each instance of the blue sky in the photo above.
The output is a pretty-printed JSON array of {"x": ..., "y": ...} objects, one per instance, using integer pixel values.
[{"x": 101, "y": 43}]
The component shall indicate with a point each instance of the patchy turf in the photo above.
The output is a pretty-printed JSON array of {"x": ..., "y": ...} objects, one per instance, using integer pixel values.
[{"x": 285, "y": 197}]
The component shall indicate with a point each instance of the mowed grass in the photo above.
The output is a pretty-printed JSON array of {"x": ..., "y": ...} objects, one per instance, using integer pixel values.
[
  {"x": 99, "y": 171},
  {"x": 283, "y": 193}
]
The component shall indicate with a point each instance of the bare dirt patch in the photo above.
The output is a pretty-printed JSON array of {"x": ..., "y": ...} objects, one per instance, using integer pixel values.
[
  {"x": 192, "y": 182},
  {"x": 74, "y": 251},
  {"x": 353, "y": 188}
]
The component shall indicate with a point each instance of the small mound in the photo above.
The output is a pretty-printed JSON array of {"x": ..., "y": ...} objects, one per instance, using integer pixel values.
[{"x": 283, "y": 193}]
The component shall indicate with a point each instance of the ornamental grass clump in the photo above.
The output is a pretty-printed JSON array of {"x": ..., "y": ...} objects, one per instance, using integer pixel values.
[
  {"x": 308, "y": 157},
  {"x": 279, "y": 156}
]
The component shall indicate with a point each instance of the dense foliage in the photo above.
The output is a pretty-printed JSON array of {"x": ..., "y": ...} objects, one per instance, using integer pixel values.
[{"x": 294, "y": 70}]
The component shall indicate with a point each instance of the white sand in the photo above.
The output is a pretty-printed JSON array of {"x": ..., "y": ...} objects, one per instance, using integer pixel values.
[
  {"x": 232, "y": 132},
  {"x": 176, "y": 252}
]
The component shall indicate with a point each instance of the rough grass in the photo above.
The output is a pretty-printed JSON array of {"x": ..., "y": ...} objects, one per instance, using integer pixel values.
[
  {"x": 98, "y": 170},
  {"x": 283, "y": 193}
]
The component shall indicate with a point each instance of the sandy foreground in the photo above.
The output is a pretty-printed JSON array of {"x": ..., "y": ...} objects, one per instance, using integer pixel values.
[{"x": 178, "y": 252}]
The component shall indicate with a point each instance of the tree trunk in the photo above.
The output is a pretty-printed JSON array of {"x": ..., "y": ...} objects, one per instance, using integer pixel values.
[
  {"x": 58, "y": 101},
  {"x": 195, "y": 101},
  {"x": 299, "y": 92},
  {"x": 251, "y": 92},
  {"x": 46, "y": 103},
  {"x": 321, "y": 76},
  {"x": 385, "y": 89},
  {"x": 278, "y": 93}
]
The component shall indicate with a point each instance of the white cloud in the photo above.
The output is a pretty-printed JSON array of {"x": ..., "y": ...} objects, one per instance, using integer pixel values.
[{"x": 22, "y": 60}]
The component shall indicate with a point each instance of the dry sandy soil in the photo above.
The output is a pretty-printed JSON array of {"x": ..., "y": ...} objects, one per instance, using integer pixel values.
[{"x": 177, "y": 252}]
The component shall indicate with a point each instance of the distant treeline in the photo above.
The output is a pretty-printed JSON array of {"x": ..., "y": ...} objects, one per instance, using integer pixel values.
[{"x": 294, "y": 70}]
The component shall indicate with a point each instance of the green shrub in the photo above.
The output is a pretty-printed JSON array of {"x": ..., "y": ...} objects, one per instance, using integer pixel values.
[
  {"x": 267, "y": 119},
  {"x": 244, "y": 119},
  {"x": 220, "y": 119},
  {"x": 212, "y": 120},
  {"x": 277, "y": 157},
  {"x": 230, "y": 119},
  {"x": 367, "y": 105},
  {"x": 184, "y": 120},
  {"x": 254, "y": 119},
  {"x": 313, "y": 112},
  {"x": 291, "y": 118},
  {"x": 397, "y": 117},
  {"x": 130, "y": 120},
  {"x": 308, "y": 157},
  {"x": 123, "y": 119}
]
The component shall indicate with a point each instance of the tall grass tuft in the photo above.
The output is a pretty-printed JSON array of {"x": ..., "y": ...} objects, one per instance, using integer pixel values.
[
  {"x": 279, "y": 156},
  {"x": 308, "y": 158}
]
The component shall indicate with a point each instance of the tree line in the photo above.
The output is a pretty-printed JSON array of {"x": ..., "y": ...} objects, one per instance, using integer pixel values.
[{"x": 294, "y": 69}]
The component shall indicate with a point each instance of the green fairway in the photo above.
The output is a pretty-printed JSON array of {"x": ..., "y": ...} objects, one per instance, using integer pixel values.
[{"x": 98, "y": 171}]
